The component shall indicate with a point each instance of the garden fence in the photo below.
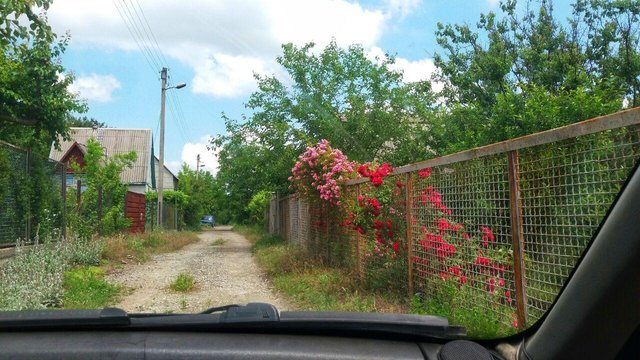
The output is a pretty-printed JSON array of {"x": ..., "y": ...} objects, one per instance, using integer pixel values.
[
  {"x": 32, "y": 189},
  {"x": 543, "y": 196}
]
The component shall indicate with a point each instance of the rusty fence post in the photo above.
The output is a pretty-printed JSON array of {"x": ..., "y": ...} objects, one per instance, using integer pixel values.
[
  {"x": 517, "y": 239},
  {"x": 409, "y": 231}
]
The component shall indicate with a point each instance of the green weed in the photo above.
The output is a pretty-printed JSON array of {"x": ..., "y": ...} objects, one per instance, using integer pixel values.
[
  {"x": 84, "y": 288},
  {"x": 218, "y": 242},
  {"x": 184, "y": 282}
]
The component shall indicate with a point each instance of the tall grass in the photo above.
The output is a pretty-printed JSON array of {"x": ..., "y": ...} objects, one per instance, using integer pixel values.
[{"x": 314, "y": 286}]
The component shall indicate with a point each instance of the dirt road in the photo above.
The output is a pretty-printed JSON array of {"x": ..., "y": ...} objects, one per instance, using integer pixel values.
[{"x": 224, "y": 274}]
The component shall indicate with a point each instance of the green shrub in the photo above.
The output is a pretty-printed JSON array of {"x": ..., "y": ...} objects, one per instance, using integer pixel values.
[{"x": 183, "y": 283}]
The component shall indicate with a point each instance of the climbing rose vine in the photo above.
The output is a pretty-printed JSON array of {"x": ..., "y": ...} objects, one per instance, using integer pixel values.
[
  {"x": 320, "y": 171},
  {"x": 463, "y": 256}
]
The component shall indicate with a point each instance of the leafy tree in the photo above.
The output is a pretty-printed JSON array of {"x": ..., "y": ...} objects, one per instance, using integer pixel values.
[
  {"x": 361, "y": 106},
  {"x": 34, "y": 98},
  {"x": 258, "y": 205},
  {"x": 514, "y": 76},
  {"x": 205, "y": 196},
  {"x": 102, "y": 206}
]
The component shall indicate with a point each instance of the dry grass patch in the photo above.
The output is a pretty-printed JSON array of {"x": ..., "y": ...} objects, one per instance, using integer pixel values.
[
  {"x": 141, "y": 246},
  {"x": 218, "y": 242}
]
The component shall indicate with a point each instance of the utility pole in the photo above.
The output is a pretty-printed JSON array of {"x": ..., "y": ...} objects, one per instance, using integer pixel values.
[
  {"x": 163, "y": 90},
  {"x": 198, "y": 166},
  {"x": 163, "y": 77}
]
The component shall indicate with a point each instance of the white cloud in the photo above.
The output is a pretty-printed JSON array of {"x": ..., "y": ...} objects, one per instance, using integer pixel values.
[
  {"x": 224, "y": 41},
  {"x": 412, "y": 70},
  {"x": 402, "y": 7},
  {"x": 493, "y": 3},
  {"x": 190, "y": 152},
  {"x": 95, "y": 87}
]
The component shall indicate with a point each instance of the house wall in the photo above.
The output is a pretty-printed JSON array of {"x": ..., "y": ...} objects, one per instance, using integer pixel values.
[
  {"x": 138, "y": 188},
  {"x": 75, "y": 156},
  {"x": 169, "y": 181}
]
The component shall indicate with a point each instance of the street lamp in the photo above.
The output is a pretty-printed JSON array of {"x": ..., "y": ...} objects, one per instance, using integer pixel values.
[{"x": 164, "y": 88}]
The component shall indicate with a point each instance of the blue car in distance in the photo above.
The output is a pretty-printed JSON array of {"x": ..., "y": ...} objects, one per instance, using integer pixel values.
[{"x": 208, "y": 220}]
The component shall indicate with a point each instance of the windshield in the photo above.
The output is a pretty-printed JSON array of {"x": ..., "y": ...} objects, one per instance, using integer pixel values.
[{"x": 389, "y": 156}]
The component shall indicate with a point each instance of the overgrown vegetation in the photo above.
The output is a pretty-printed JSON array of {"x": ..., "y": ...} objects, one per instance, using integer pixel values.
[
  {"x": 65, "y": 273},
  {"x": 184, "y": 282},
  {"x": 34, "y": 278},
  {"x": 515, "y": 71},
  {"x": 316, "y": 287},
  {"x": 102, "y": 206},
  {"x": 140, "y": 247}
]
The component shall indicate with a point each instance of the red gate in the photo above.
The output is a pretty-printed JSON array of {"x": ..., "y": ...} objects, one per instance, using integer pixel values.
[{"x": 134, "y": 210}]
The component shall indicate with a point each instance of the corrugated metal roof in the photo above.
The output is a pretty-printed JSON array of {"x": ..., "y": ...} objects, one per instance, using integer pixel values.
[{"x": 115, "y": 141}]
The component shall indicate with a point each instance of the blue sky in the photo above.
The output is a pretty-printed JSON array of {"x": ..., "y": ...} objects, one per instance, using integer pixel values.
[{"x": 216, "y": 45}]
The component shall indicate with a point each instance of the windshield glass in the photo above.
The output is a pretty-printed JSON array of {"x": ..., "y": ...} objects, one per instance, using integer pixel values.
[{"x": 401, "y": 156}]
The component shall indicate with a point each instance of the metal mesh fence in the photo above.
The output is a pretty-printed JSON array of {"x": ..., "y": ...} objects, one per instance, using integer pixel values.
[
  {"x": 492, "y": 234},
  {"x": 13, "y": 174},
  {"x": 462, "y": 239},
  {"x": 567, "y": 189},
  {"x": 31, "y": 196}
]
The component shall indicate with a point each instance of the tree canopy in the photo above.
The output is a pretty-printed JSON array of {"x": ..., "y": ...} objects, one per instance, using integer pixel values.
[
  {"x": 34, "y": 96},
  {"x": 517, "y": 71}
]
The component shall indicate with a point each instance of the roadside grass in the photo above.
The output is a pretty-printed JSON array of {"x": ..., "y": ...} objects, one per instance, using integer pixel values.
[
  {"x": 253, "y": 233},
  {"x": 218, "y": 242},
  {"x": 184, "y": 282},
  {"x": 34, "y": 278},
  {"x": 313, "y": 286},
  {"x": 85, "y": 288},
  {"x": 141, "y": 247}
]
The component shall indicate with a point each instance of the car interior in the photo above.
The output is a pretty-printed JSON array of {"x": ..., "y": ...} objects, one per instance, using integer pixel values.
[{"x": 596, "y": 316}]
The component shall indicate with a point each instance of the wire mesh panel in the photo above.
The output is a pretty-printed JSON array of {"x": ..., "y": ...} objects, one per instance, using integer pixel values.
[
  {"x": 304, "y": 222},
  {"x": 461, "y": 230},
  {"x": 13, "y": 194},
  {"x": 567, "y": 188},
  {"x": 294, "y": 221}
]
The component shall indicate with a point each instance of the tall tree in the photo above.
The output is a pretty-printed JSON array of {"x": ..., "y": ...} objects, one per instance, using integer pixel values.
[
  {"x": 360, "y": 105},
  {"x": 34, "y": 96},
  {"x": 515, "y": 75}
]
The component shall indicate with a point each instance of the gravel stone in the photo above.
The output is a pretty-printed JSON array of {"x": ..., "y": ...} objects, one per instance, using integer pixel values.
[{"x": 224, "y": 274}]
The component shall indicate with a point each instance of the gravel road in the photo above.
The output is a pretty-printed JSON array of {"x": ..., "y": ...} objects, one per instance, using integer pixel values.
[{"x": 224, "y": 274}]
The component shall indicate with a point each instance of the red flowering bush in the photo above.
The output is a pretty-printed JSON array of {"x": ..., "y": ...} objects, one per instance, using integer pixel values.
[{"x": 460, "y": 265}]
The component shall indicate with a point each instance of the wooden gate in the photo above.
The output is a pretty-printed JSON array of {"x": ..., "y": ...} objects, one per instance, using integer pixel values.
[{"x": 135, "y": 210}]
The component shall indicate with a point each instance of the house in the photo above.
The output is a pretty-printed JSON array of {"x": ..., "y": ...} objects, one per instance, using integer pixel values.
[{"x": 140, "y": 178}]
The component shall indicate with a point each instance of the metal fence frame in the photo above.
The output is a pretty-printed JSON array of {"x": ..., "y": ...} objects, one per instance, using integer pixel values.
[
  {"x": 520, "y": 162},
  {"x": 56, "y": 171}
]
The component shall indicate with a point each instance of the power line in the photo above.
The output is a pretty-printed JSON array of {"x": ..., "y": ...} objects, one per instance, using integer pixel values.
[
  {"x": 156, "y": 59},
  {"x": 126, "y": 23},
  {"x": 155, "y": 41}
]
